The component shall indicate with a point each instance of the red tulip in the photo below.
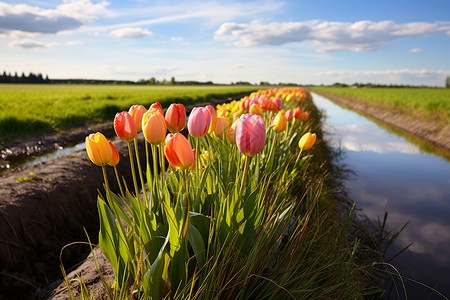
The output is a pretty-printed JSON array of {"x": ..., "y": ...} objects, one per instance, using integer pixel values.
[
  {"x": 289, "y": 114},
  {"x": 158, "y": 106},
  {"x": 297, "y": 113},
  {"x": 125, "y": 126},
  {"x": 178, "y": 151},
  {"x": 176, "y": 117},
  {"x": 199, "y": 122},
  {"x": 137, "y": 111},
  {"x": 115, "y": 155},
  {"x": 250, "y": 134},
  {"x": 305, "y": 116}
]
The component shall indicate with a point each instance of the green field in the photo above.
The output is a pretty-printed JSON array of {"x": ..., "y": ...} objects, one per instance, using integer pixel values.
[
  {"x": 27, "y": 110},
  {"x": 425, "y": 103}
]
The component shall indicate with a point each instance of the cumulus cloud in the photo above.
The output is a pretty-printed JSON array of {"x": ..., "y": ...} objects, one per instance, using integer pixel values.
[
  {"x": 30, "y": 44},
  {"x": 130, "y": 33},
  {"x": 415, "y": 50},
  {"x": 71, "y": 14},
  {"x": 326, "y": 36}
]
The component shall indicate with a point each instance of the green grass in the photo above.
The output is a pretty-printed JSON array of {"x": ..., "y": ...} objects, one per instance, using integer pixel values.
[
  {"x": 31, "y": 110},
  {"x": 424, "y": 103}
]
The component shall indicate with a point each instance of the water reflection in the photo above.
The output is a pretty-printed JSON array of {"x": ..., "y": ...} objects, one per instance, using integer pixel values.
[{"x": 395, "y": 175}]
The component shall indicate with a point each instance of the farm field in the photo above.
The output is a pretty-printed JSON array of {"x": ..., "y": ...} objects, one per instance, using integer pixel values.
[
  {"x": 27, "y": 110},
  {"x": 424, "y": 103}
]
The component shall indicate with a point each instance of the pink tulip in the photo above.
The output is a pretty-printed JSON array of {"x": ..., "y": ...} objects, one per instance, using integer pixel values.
[
  {"x": 277, "y": 102},
  {"x": 125, "y": 126},
  {"x": 199, "y": 122},
  {"x": 289, "y": 114},
  {"x": 250, "y": 134}
]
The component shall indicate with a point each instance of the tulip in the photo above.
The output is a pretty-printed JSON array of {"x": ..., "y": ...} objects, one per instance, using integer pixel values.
[
  {"x": 256, "y": 109},
  {"x": 154, "y": 126},
  {"x": 178, "y": 151},
  {"x": 277, "y": 102},
  {"x": 231, "y": 136},
  {"x": 125, "y": 126},
  {"x": 137, "y": 111},
  {"x": 222, "y": 125},
  {"x": 250, "y": 134},
  {"x": 158, "y": 106},
  {"x": 213, "y": 115},
  {"x": 176, "y": 117},
  {"x": 305, "y": 116},
  {"x": 114, "y": 155},
  {"x": 297, "y": 113},
  {"x": 289, "y": 114},
  {"x": 98, "y": 149},
  {"x": 307, "y": 141},
  {"x": 279, "y": 122},
  {"x": 199, "y": 122}
]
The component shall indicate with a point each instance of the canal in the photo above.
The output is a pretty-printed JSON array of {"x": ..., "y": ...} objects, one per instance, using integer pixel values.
[{"x": 390, "y": 173}]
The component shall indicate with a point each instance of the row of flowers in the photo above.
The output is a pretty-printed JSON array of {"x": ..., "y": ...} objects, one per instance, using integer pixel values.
[{"x": 209, "y": 183}]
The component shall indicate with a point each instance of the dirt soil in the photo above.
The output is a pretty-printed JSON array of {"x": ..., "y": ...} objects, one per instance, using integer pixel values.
[
  {"x": 50, "y": 205},
  {"x": 428, "y": 131}
]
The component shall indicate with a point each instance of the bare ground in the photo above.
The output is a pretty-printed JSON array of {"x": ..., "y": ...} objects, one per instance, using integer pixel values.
[{"x": 426, "y": 130}]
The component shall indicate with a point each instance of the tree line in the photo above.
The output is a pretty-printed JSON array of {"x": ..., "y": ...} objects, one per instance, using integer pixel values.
[{"x": 30, "y": 78}]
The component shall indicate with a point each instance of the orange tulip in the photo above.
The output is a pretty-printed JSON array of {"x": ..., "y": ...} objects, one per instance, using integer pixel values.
[
  {"x": 305, "y": 116},
  {"x": 176, "y": 117},
  {"x": 178, "y": 151},
  {"x": 279, "y": 122},
  {"x": 222, "y": 125},
  {"x": 125, "y": 127},
  {"x": 307, "y": 141},
  {"x": 231, "y": 135},
  {"x": 137, "y": 111},
  {"x": 98, "y": 149},
  {"x": 154, "y": 126},
  {"x": 256, "y": 109},
  {"x": 115, "y": 155}
]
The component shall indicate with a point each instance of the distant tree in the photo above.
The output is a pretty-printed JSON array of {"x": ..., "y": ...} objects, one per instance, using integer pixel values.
[
  {"x": 447, "y": 82},
  {"x": 172, "y": 81}
]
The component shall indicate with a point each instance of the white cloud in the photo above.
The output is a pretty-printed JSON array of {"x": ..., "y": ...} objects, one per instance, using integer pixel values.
[
  {"x": 326, "y": 36},
  {"x": 130, "y": 33},
  {"x": 30, "y": 44},
  {"x": 415, "y": 50},
  {"x": 74, "y": 43},
  {"x": 31, "y": 19}
]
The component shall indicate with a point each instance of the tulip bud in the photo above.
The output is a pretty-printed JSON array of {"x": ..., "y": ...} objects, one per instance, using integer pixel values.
[
  {"x": 176, "y": 117},
  {"x": 250, "y": 134},
  {"x": 289, "y": 114},
  {"x": 256, "y": 109},
  {"x": 154, "y": 126},
  {"x": 137, "y": 111},
  {"x": 213, "y": 115},
  {"x": 98, "y": 149},
  {"x": 178, "y": 151},
  {"x": 199, "y": 122},
  {"x": 158, "y": 106},
  {"x": 297, "y": 113},
  {"x": 125, "y": 126},
  {"x": 222, "y": 126},
  {"x": 279, "y": 122},
  {"x": 305, "y": 116},
  {"x": 115, "y": 155},
  {"x": 307, "y": 141}
]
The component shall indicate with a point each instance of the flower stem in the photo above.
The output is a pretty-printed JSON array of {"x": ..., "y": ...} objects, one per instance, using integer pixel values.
[
  {"x": 140, "y": 169},
  {"x": 133, "y": 171},
  {"x": 162, "y": 164},
  {"x": 118, "y": 182},
  {"x": 244, "y": 177}
]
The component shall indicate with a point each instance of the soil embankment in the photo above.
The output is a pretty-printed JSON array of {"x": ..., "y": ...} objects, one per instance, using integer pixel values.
[{"x": 428, "y": 131}]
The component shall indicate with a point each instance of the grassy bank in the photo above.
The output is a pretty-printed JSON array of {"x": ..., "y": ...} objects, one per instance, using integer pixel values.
[
  {"x": 274, "y": 234},
  {"x": 27, "y": 110},
  {"x": 423, "y": 103}
]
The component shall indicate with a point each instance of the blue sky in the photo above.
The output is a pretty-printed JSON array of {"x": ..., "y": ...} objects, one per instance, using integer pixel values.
[{"x": 320, "y": 41}]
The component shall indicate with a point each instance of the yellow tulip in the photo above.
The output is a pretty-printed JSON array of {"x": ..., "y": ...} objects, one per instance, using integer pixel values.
[
  {"x": 98, "y": 149},
  {"x": 307, "y": 141}
]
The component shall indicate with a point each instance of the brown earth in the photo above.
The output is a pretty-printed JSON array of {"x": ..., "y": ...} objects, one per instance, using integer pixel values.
[
  {"x": 47, "y": 206},
  {"x": 426, "y": 130}
]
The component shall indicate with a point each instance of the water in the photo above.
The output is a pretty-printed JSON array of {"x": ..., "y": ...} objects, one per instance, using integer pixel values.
[{"x": 395, "y": 175}]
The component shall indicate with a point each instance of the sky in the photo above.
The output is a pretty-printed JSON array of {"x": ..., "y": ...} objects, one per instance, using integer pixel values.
[{"x": 295, "y": 41}]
